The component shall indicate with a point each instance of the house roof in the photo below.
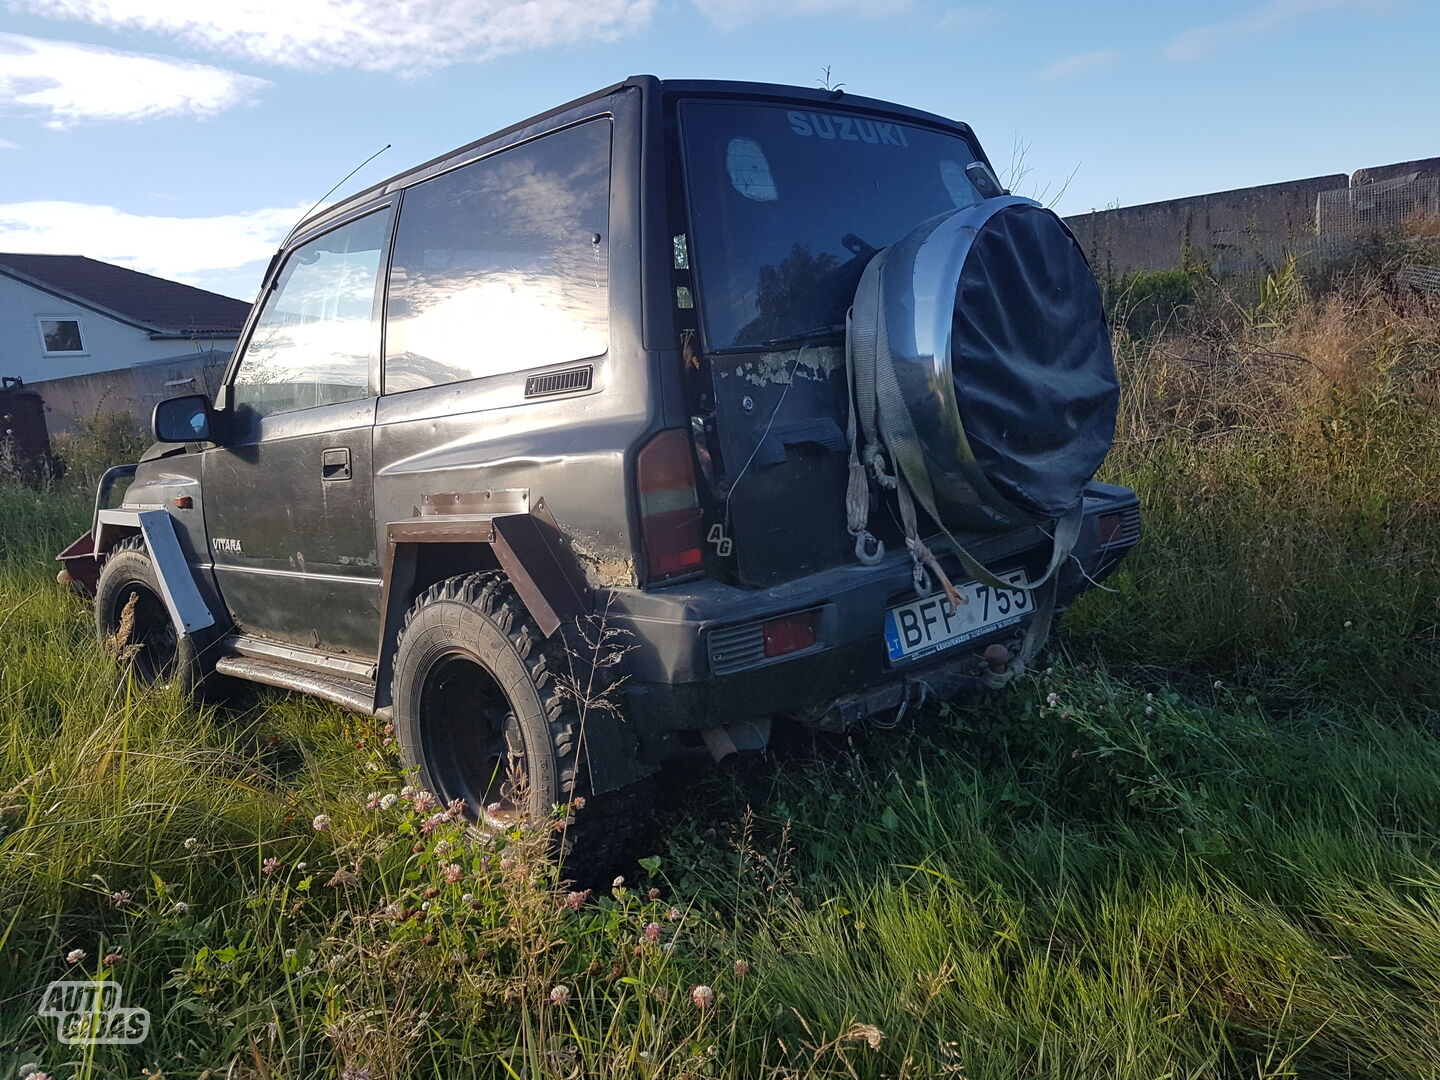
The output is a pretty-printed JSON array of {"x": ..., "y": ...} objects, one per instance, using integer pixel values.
[{"x": 165, "y": 308}]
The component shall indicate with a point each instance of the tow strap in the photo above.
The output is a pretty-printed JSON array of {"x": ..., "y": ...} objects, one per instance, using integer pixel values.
[{"x": 885, "y": 423}]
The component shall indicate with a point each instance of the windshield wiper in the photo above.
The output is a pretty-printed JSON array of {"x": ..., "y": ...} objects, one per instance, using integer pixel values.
[{"x": 803, "y": 336}]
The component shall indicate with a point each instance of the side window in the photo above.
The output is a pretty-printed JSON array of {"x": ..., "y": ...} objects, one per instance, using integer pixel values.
[
  {"x": 316, "y": 333},
  {"x": 503, "y": 264}
]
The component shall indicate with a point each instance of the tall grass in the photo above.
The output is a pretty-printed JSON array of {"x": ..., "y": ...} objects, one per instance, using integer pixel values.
[{"x": 1204, "y": 843}]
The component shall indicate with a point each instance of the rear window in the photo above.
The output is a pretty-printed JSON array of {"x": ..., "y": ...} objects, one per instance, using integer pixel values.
[
  {"x": 503, "y": 264},
  {"x": 788, "y": 204}
]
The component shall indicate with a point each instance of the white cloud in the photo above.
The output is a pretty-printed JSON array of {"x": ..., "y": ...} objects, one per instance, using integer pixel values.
[
  {"x": 6, "y": 144},
  {"x": 68, "y": 83},
  {"x": 968, "y": 18},
  {"x": 174, "y": 247},
  {"x": 1200, "y": 42},
  {"x": 729, "y": 14},
  {"x": 1079, "y": 65},
  {"x": 402, "y": 36}
]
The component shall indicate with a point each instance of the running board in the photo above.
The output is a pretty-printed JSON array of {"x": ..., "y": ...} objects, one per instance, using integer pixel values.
[{"x": 354, "y": 694}]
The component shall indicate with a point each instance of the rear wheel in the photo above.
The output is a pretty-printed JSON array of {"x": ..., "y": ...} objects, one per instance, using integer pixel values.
[
  {"x": 132, "y": 621},
  {"x": 484, "y": 706}
]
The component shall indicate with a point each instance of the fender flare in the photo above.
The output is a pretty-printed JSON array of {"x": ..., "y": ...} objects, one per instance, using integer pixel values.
[
  {"x": 188, "y": 610},
  {"x": 528, "y": 547}
]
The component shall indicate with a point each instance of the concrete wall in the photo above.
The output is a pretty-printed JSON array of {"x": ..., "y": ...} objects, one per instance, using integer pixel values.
[
  {"x": 1423, "y": 168},
  {"x": 109, "y": 343},
  {"x": 134, "y": 389},
  {"x": 1221, "y": 224},
  {"x": 1151, "y": 236}
]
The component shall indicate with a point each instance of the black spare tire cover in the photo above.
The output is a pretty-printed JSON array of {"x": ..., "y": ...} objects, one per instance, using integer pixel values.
[{"x": 996, "y": 331}]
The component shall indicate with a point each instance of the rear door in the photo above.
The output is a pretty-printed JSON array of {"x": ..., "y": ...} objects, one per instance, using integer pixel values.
[
  {"x": 289, "y": 503},
  {"x": 787, "y": 204}
]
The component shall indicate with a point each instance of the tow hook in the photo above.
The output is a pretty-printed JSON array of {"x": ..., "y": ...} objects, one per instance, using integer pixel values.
[{"x": 997, "y": 657}]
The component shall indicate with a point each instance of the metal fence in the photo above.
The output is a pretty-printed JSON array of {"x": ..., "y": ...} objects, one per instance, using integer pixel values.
[{"x": 1381, "y": 207}]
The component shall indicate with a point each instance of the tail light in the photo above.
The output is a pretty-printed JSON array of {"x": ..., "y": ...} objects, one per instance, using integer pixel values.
[{"x": 670, "y": 522}]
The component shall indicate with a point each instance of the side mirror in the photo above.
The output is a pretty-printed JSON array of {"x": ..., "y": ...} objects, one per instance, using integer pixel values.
[{"x": 182, "y": 419}]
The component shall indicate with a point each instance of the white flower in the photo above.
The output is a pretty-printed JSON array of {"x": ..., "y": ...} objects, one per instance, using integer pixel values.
[
  {"x": 372, "y": 766},
  {"x": 619, "y": 882},
  {"x": 703, "y": 997},
  {"x": 1149, "y": 710},
  {"x": 289, "y": 953},
  {"x": 407, "y": 791},
  {"x": 1348, "y": 624},
  {"x": 74, "y": 956},
  {"x": 301, "y": 866},
  {"x": 180, "y": 907},
  {"x": 1052, "y": 700},
  {"x": 191, "y": 843},
  {"x": 1219, "y": 685},
  {"x": 560, "y": 995},
  {"x": 321, "y": 822},
  {"x": 388, "y": 800}
]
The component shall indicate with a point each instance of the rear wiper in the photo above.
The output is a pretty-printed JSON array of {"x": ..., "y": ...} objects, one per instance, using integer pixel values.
[{"x": 803, "y": 335}]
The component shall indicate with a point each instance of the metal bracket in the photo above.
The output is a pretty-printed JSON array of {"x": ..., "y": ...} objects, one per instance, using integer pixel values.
[{"x": 187, "y": 608}]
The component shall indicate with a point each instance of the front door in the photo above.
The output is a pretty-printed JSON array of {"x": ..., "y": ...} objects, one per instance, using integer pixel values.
[{"x": 289, "y": 492}]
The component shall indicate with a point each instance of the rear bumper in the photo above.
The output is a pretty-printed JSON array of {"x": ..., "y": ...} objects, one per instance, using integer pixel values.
[{"x": 677, "y": 678}]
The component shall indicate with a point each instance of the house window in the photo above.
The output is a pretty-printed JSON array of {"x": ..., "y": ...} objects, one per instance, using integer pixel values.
[{"x": 61, "y": 336}]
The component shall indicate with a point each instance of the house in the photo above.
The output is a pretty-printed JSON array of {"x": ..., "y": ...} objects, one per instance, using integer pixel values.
[{"x": 92, "y": 336}]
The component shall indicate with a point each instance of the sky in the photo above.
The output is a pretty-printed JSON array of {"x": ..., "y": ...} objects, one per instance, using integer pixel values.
[{"x": 185, "y": 137}]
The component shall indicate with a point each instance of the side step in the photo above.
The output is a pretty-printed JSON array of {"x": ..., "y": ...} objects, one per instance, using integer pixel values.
[{"x": 357, "y": 695}]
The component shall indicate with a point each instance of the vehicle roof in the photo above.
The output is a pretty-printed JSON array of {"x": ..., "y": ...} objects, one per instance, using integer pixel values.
[{"x": 648, "y": 84}]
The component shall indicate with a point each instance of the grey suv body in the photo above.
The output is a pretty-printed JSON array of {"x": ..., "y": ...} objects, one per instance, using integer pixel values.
[{"x": 581, "y": 384}]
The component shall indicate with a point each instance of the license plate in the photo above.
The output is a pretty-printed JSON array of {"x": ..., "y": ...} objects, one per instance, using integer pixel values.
[{"x": 922, "y": 627}]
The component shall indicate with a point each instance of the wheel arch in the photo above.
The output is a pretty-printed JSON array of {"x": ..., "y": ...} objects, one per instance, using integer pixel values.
[{"x": 425, "y": 550}]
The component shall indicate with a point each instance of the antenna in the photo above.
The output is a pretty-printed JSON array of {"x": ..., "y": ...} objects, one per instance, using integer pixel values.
[{"x": 342, "y": 180}]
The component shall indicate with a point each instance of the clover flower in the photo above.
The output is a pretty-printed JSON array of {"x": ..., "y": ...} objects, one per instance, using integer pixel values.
[
  {"x": 388, "y": 800},
  {"x": 180, "y": 907},
  {"x": 560, "y": 995},
  {"x": 575, "y": 899},
  {"x": 191, "y": 843},
  {"x": 74, "y": 956},
  {"x": 270, "y": 865},
  {"x": 454, "y": 872},
  {"x": 321, "y": 822},
  {"x": 120, "y": 899},
  {"x": 652, "y": 932},
  {"x": 741, "y": 969},
  {"x": 424, "y": 802},
  {"x": 1052, "y": 700},
  {"x": 703, "y": 997}
]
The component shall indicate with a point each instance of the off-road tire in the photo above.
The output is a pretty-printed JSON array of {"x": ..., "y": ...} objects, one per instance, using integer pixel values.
[
  {"x": 152, "y": 648},
  {"x": 469, "y": 651}
]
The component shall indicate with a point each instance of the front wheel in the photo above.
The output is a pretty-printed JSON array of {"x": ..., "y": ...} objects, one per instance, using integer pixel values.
[
  {"x": 132, "y": 622},
  {"x": 486, "y": 706}
]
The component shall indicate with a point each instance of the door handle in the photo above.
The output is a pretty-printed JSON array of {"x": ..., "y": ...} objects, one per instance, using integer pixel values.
[{"x": 335, "y": 463}]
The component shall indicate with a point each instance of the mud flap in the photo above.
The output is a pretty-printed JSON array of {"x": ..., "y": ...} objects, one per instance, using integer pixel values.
[{"x": 188, "y": 610}]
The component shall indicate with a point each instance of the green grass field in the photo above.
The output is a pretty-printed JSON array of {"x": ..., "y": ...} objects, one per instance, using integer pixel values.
[{"x": 1204, "y": 843}]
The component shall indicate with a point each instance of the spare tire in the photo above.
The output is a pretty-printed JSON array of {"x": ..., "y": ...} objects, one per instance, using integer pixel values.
[{"x": 994, "y": 328}]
